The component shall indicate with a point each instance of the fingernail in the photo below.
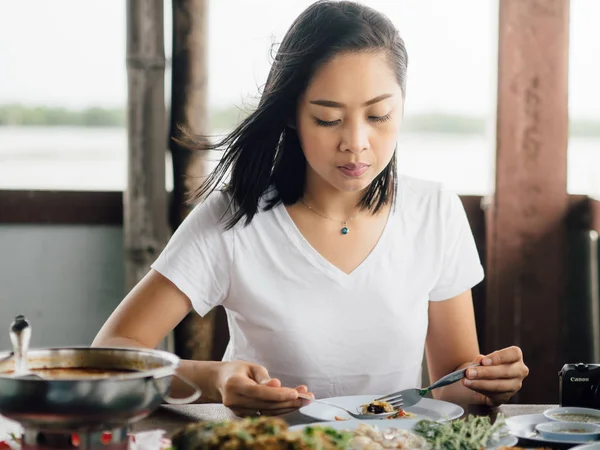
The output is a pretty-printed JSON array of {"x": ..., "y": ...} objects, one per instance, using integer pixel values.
[
  {"x": 467, "y": 382},
  {"x": 487, "y": 362},
  {"x": 265, "y": 381},
  {"x": 471, "y": 373},
  {"x": 293, "y": 395}
]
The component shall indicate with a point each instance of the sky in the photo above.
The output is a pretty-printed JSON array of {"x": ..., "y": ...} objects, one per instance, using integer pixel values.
[{"x": 71, "y": 53}]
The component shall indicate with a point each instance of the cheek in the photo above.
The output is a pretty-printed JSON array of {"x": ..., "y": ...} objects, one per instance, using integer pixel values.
[
  {"x": 384, "y": 142},
  {"x": 318, "y": 143}
]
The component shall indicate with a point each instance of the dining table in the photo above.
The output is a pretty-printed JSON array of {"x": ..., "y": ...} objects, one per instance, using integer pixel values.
[{"x": 170, "y": 418}]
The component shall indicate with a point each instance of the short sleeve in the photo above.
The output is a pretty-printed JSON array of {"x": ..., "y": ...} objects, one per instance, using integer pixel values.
[
  {"x": 460, "y": 266},
  {"x": 197, "y": 258}
]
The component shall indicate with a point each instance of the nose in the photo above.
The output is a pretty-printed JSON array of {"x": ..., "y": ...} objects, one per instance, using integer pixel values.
[{"x": 355, "y": 138}]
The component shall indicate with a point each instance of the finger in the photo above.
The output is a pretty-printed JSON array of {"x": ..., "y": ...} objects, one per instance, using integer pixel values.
[
  {"x": 273, "y": 382},
  {"x": 303, "y": 390},
  {"x": 306, "y": 397},
  {"x": 266, "y": 393},
  {"x": 239, "y": 385},
  {"x": 258, "y": 373},
  {"x": 493, "y": 386},
  {"x": 478, "y": 359},
  {"x": 505, "y": 371},
  {"x": 505, "y": 356}
]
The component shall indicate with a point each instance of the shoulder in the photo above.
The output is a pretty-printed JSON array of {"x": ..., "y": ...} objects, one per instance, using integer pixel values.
[
  {"x": 216, "y": 203},
  {"x": 212, "y": 211},
  {"x": 416, "y": 192},
  {"x": 219, "y": 207},
  {"x": 206, "y": 222}
]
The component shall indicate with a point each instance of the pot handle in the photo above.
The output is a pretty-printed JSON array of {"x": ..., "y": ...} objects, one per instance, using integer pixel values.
[{"x": 179, "y": 401}]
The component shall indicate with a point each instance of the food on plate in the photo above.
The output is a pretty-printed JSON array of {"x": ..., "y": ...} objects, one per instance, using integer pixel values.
[
  {"x": 472, "y": 433},
  {"x": 581, "y": 418},
  {"x": 341, "y": 419},
  {"x": 401, "y": 414},
  {"x": 268, "y": 433},
  {"x": 376, "y": 407},
  {"x": 273, "y": 434},
  {"x": 572, "y": 430},
  {"x": 368, "y": 437}
]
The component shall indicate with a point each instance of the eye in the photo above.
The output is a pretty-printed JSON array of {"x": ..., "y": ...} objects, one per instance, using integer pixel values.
[
  {"x": 379, "y": 119},
  {"x": 323, "y": 123}
]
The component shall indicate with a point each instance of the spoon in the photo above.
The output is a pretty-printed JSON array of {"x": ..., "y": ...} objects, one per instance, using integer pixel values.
[{"x": 20, "y": 335}]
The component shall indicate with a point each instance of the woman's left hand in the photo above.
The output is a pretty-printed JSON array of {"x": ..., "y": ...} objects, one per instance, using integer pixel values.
[{"x": 499, "y": 377}]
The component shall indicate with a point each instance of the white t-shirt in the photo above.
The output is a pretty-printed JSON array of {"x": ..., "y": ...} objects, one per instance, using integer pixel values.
[{"x": 307, "y": 321}]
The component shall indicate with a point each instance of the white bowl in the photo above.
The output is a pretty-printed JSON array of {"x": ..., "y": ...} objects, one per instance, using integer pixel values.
[
  {"x": 573, "y": 414},
  {"x": 573, "y": 431}
]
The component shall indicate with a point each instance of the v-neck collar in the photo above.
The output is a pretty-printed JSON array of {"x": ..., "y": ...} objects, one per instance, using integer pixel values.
[{"x": 328, "y": 268}]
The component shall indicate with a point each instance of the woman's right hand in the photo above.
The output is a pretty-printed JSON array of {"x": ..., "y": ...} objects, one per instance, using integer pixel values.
[{"x": 247, "y": 390}]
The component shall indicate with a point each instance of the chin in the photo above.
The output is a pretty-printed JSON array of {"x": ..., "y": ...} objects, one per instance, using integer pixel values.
[{"x": 356, "y": 185}]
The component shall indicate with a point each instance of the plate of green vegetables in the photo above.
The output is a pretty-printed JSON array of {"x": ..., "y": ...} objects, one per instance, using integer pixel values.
[{"x": 470, "y": 433}]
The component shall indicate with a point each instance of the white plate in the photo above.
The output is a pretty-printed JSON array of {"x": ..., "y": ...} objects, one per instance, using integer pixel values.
[
  {"x": 401, "y": 424},
  {"x": 426, "y": 409},
  {"x": 524, "y": 427}
]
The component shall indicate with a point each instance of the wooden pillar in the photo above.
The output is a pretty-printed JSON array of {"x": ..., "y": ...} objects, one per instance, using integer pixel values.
[
  {"x": 526, "y": 235},
  {"x": 145, "y": 208},
  {"x": 194, "y": 337},
  {"x": 189, "y": 99}
]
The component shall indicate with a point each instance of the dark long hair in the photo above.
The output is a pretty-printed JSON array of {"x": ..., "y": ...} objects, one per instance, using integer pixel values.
[{"x": 263, "y": 151}]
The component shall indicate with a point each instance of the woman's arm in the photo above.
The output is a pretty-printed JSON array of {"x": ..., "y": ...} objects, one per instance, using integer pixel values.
[
  {"x": 151, "y": 310},
  {"x": 147, "y": 314},
  {"x": 452, "y": 344}
]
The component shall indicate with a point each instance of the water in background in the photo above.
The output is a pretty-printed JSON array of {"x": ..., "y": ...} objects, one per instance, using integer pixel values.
[{"x": 64, "y": 158}]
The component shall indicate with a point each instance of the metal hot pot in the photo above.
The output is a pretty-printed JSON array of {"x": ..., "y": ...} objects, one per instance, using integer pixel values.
[{"x": 123, "y": 386}]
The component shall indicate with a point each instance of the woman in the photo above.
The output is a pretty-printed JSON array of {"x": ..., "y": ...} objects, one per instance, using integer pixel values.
[{"x": 336, "y": 272}]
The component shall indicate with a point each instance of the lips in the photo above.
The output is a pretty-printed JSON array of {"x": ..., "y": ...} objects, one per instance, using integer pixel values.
[
  {"x": 354, "y": 166},
  {"x": 354, "y": 170}
]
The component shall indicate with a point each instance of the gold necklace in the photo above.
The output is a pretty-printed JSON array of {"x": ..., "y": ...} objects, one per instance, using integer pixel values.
[{"x": 345, "y": 230}]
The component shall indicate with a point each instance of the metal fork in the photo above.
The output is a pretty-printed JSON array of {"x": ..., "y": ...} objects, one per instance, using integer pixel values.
[
  {"x": 370, "y": 416},
  {"x": 410, "y": 397}
]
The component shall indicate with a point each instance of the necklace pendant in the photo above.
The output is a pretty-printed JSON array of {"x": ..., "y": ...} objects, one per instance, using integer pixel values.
[{"x": 345, "y": 229}]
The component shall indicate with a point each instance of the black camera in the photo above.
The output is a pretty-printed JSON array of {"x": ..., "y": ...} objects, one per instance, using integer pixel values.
[{"x": 579, "y": 385}]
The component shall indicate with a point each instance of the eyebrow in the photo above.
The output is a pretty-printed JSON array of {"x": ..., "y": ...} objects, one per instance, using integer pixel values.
[{"x": 332, "y": 104}]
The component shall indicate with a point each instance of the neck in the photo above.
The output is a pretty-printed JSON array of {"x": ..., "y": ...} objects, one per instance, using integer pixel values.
[{"x": 330, "y": 201}]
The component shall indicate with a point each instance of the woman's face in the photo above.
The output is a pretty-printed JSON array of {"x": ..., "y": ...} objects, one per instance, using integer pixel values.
[{"x": 348, "y": 120}]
